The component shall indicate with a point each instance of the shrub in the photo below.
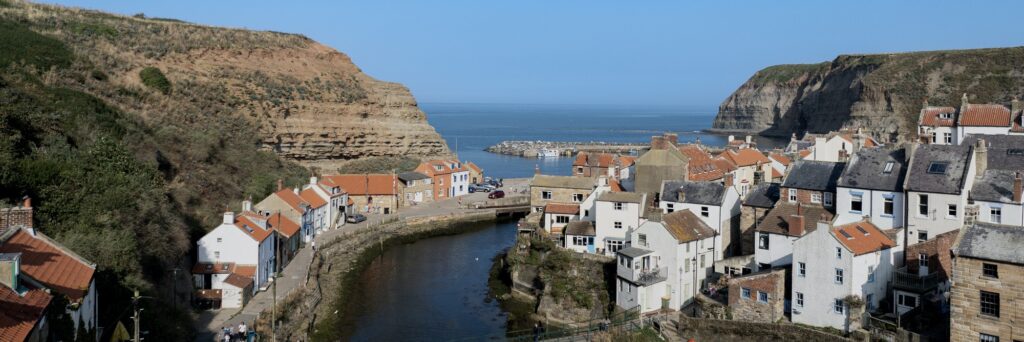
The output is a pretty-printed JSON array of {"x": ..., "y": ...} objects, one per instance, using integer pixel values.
[
  {"x": 23, "y": 45},
  {"x": 154, "y": 78}
]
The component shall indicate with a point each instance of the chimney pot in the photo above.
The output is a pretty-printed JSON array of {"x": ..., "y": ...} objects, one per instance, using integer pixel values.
[
  {"x": 980, "y": 157},
  {"x": 280, "y": 184},
  {"x": 1017, "y": 188},
  {"x": 27, "y": 202},
  {"x": 295, "y": 190},
  {"x": 229, "y": 217},
  {"x": 749, "y": 139}
]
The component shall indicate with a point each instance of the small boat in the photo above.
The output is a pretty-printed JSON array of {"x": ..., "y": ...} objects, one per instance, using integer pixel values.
[{"x": 549, "y": 153}]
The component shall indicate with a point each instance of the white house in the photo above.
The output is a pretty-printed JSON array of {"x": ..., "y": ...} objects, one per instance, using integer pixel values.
[
  {"x": 951, "y": 126},
  {"x": 242, "y": 240},
  {"x": 781, "y": 228},
  {"x": 557, "y": 215},
  {"x": 588, "y": 208},
  {"x": 996, "y": 193},
  {"x": 838, "y": 146},
  {"x": 291, "y": 205},
  {"x": 872, "y": 186},
  {"x": 320, "y": 210},
  {"x": 617, "y": 214},
  {"x": 937, "y": 184},
  {"x": 831, "y": 264},
  {"x": 937, "y": 125},
  {"x": 666, "y": 264},
  {"x": 716, "y": 204},
  {"x": 459, "y": 179},
  {"x": 579, "y": 237},
  {"x": 336, "y": 197}
]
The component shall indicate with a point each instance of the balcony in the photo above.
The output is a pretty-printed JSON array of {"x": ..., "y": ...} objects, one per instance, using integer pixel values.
[
  {"x": 642, "y": 276},
  {"x": 912, "y": 282}
]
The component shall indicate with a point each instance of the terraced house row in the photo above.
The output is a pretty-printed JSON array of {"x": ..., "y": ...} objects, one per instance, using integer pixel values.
[{"x": 833, "y": 230}]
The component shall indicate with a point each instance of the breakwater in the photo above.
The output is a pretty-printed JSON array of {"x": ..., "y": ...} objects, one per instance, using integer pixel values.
[{"x": 538, "y": 148}]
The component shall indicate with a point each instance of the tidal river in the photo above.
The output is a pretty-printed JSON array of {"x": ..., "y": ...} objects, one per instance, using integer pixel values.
[{"x": 433, "y": 289}]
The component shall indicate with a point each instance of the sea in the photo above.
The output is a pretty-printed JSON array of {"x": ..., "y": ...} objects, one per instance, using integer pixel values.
[{"x": 470, "y": 128}]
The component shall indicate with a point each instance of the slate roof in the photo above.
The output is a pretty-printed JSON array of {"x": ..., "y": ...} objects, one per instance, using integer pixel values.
[
  {"x": 763, "y": 195},
  {"x": 949, "y": 182},
  {"x": 685, "y": 226},
  {"x": 50, "y": 264},
  {"x": 411, "y": 176},
  {"x": 710, "y": 193},
  {"x": 994, "y": 186},
  {"x": 1005, "y": 152},
  {"x": 995, "y": 140},
  {"x": 866, "y": 170},
  {"x": 564, "y": 182},
  {"x": 582, "y": 228},
  {"x": 627, "y": 197},
  {"x": 775, "y": 221},
  {"x": 992, "y": 242},
  {"x": 634, "y": 252},
  {"x": 814, "y": 175},
  {"x": 862, "y": 237}
]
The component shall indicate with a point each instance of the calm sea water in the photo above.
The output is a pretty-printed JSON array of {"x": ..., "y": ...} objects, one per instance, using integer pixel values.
[{"x": 470, "y": 128}]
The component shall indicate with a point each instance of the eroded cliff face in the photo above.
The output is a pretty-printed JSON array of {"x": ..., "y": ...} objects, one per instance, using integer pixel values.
[{"x": 882, "y": 94}]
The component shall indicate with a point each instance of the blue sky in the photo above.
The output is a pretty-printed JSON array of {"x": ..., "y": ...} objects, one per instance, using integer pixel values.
[{"x": 599, "y": 52}]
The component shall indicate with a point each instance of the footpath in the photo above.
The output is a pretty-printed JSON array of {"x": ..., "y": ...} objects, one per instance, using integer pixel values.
[{"x": 210, "y": 323}]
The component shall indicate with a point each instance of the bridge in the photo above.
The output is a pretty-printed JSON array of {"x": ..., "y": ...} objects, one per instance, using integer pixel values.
[{"x": 511, "y": 205}]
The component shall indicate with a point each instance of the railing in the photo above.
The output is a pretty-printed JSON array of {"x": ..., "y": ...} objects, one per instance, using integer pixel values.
[
  {"x": 644, "y": 276},
  {"x": 904, "y": 280}
]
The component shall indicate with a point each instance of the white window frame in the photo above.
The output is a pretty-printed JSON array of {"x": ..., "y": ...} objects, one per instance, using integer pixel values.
[
  {"x": 995, "y": 214},
  {"x": 922, "y": 260},
  {"x": 792, "y": 195},
  {"x": 857, "y": 197},
  {"x": 888, "y": 202},
  {"x": 619, "y": 206},
  {"x": 670, "y": 207},
  {"x": 815, "y": 198},
  {"x": 838, "y": 306},
  {"x": 800, "y": 299},
  {"x": 761, "y": 294},
  {"x": 839, "y": 252},
  {"x": 802, "y": 269},
  {"x": 839, "y": 276},
  {"x": 543, "y": 194},
  {"x": 577, "y": 198},
  {"x": 952, "y": 209},
  {"x": 617, "y": 225},
  {"x": 705, "y": 211}
]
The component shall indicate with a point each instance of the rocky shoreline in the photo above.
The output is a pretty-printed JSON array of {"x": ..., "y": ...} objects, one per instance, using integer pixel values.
[{"x": 535, "y": 149}]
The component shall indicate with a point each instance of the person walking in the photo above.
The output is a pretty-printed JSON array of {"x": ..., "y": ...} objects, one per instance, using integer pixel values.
[{"x": 313, "y": 244}]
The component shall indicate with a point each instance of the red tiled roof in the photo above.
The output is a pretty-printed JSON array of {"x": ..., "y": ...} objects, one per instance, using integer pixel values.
[
  {"x": 744, "y": 157},
  {"x": 627, "y": 161},
  {"x": 702, "y": 166},
  {"x": 804, "y": 153},
  {"x": 429, "y": 167},
  {"x": 991, "y": 115},
  {"x": 238, "y": 281},
  {"x": 245, "y": 270},
  {"x": 282, "y": 224},
  {"x": 930, "y": 116},
  {"x": 330, "y": 184},
  {"x": 780, "y": 158},
  {"x": 313, "y": 198},
  {"x": 255, "y": 231},
  {"x": 865, "y": 240},
  {"x": 776, "y": 173},
  {"x": 50, "y": 264},
  {"x": 604, "y": 160},
  {"x": 293, "y": 200},
  {"x": 20, "y": 313},
  {"x": 615, "y": 186},
  {"x": 560, "y": 208},
  {"x": 367, "y": 184}
]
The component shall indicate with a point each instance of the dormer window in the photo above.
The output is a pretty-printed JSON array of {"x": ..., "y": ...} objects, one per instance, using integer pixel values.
[
  {"x": 945, "y": 116},
  {"x": 938, "y": 168},
  {"x": 438, "y": 167}
]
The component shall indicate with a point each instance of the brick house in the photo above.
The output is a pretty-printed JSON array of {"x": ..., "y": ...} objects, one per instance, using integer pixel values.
[
  {"x": 450, "y": 178},
  {"x": 371, "y": 193},
  {"x": 759, "y": 297},
  {"x": 753, "y": 210},
  {"x": 988, "y": 274},
  {"x": 925, "y": 274}
]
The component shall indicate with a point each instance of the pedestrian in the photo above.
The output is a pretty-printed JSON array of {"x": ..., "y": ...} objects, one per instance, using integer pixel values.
[
  {"x": 231, "y": 334},
  {"x": 536, "y": 332},
  {"x": 227, "y": 334},
  {"x": 313, "y": 243},
  {"x": 241, "y": 330}
]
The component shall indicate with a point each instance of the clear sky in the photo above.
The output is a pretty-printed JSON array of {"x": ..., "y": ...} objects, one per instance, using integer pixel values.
[{"x": 599, "y": 52}]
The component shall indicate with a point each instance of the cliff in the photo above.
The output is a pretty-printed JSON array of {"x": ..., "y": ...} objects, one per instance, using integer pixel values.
[
  {"x": 309, "y": 102},
  {"x": 881, "y": 93}
]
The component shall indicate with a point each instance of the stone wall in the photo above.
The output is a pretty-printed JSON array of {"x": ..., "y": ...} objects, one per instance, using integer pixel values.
[
  {"x": 772, "y": 283},
  {"x": 703, "y": 329},
  {"x": 966, "y": 320},
  {"x": 558, "y": 195},
  {"x": 749, "y": 217}
]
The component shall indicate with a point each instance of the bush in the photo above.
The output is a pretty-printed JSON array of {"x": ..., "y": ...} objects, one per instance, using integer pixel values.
[
  {"x": 23, "y": 45},
  {"x": 380, "y": 165},
  {"x": 154, "y": 78}
]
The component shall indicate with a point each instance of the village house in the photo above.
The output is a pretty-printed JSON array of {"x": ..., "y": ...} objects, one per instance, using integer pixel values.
[
  {"x": 336, "y": 198},
  {"x": 288, "y": 237},
  {"x": 780, "y": 164},
  {"x": 287, "y": 202},
  {"x": 737, "y": 144},
  {"x": 753, "y": 210},
  {"x": 872, "y": 186},
  {"x": 618, "y": 213},
  {"x": 716, "y": 204},
  {"x": 318, "y": 208},
  {"x": 31, "y": 261},
  {"x": 558, "y": 215},
  {"x": 834, "y": 267},
  {"x": 23, "y": 306},
  {"x": 417, "y": 188},
  {"x": 371, "y": 193},
  {"x": 623, "y": 169},
  {"x": 667, "y": 263},
  {"x": 592, "y": 164},
  {"x": 449, "y": 177},
  {"x": 838, "y": 146},
  {"x": 760, "y": 296},
  {"x": 937, "y": 125},
  {"x": 925, "y": 277},
  {"x": 546, "y": 189},
  {"x": 812, "y": 182},
  {"x": 988, "y": 275},
  {"x": 663, "y": 161},
  {"x": 750, "y": 168},
  {"x": 588, "y": 208},
  {"x": 579, "y": 237},
  {"x": 995, "y": 196},
  {"x": 702, "y": 166},
  {"x": 476, "y": 174},
  {"x": 243, "y": 241},
  {"x": 950, "y": 126},
  {"x": 937, "y": 184}
]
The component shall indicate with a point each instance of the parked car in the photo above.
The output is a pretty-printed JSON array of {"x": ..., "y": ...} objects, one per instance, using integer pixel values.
[
  {"x": 494, "y": 183},
  {"x": 355, "y": 218},
  {"x": 479, "y": 188},
  {"x": 496, "y": 194}
]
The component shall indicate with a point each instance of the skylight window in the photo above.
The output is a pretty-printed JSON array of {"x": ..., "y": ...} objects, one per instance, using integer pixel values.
[
  {"x": 845, "y": 234},
  {"x": 862, "y": 231},
  {"x": 1015, "y": 152},
  {"x": 938, "y": 167},
  {"x": 888, "y": 167}
]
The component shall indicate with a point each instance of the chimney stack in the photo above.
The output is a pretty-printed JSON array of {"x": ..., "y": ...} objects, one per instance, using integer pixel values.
[
  {"x": 26, "y": 202},
  {"x": 963, "y": 103},
  {"x": 312, "y": 180},
  {"x": 280, "y": 184},
  {"x": 749, "y": 139},
  {"x": 980, "y": 157},
  {"x": 731, "y": 138},
  {"x": 229, "y": 217},
  {"x": 1017, "y": 188},
  {"x": 672, "y": 138},
  {"x": 728, "y": 180},
  {"x": 247, "y": 204},
  {"x": 295, "y": 190},
  {"x": 658, "y": 142},
  {"x": 796, "y": 223}
]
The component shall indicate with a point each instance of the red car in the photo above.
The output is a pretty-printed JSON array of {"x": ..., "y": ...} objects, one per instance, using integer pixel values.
[{"x": 496, "y": 194}]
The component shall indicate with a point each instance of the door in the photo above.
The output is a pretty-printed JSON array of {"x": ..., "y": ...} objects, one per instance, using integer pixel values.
[
  {"x": 207, "y": 281},
  {"x": 590, "y": 244}
]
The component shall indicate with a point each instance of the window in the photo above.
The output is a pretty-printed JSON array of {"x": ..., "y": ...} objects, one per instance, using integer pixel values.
[
  {"x": 888, "y": 167},
  {"x": 938, "y": 168},
  {"x": 561, "y": 219},
  {"x": 887, "y": 205},
  {"x": 613, "y": 245},
  {"x": 837, "y": 306},
  {"x": 643, "y": 239},
  {"x": 670, "y": 207},
  {"x": 990, "y": 270},
  {"x": 686, "y": 264},
  {"x": 579, "y": 170},
  {"x": 705, "y": 211},
  {"x": 949, "y": 138},
  {"x": 577, "y": 198},
  {"x": 951, "y": 211},
  {"x": 828, "y": 199},
  {"x": 839, "y": 276},
  {"x": 762, "y": 297},
  {"x": 792, "y": 195},
  {"x": 996, "y": 215},
  {"x": 815, "y": 198},
  {"x": 990, "y": 303},
  {"x": 839, "y": 252},
  {"x": 871, "y": 274},
  {"x": 800, "y": 299},
  {"x": 220, "y": 239},
  {"x": 746, "y": 293},
  {"x": 922, "y": 205},
  {"x": 618, "y": 225},
  {"x": 922, "y": 260},
  {"x": 544, "y": 194},
  {"x": 922, "y": 236},
  {"x": 702, "y": 261},
  {"x": 802, "y": 269},
  {"x": 856, "y": 202},
  {"x": 988, "y": 338},
  {"x": 216, "y": 254},
  {"x": 618, "y": 205},
  {"x": 762, "y": 241},
  {"x": 906, "y": 300}
]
